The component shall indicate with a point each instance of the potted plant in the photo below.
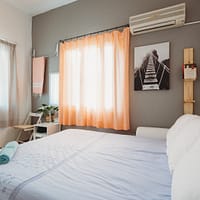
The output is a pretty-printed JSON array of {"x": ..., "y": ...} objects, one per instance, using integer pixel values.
[
  {"x": 48, "y": 111},
  {"x": 53, "y": 110}
]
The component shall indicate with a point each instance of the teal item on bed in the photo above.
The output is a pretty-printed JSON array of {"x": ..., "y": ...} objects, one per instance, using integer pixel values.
[{"x": 8, "y": 152}]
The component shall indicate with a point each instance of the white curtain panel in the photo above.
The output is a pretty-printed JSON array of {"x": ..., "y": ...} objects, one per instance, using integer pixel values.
[
  {"x": 14, "y": 99},
  {"x": 8, "y": 85}
]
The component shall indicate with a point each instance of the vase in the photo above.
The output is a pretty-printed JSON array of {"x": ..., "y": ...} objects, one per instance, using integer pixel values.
[
  {"x": 52, "y": 117},
  {"x": 48, "y": 118}
]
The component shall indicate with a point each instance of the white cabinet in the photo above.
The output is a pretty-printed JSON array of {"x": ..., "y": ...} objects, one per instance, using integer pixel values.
[{"x": 45, "y": 129}]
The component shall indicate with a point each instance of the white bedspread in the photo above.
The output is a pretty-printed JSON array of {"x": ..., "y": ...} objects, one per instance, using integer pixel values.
[{"x": 86, "y": 165}]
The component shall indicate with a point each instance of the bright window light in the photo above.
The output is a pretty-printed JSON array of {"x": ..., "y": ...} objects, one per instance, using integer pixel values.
[
  {"x": 91, "y": 78},
  {"x": 54, "y": 88},
  {"x": 4, "y": 78}
]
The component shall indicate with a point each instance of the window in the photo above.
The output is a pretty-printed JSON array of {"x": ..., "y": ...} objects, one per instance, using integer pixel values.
[
  {"x": 8, "y": 85},
  {"x": 54, "y": 88},
  {"x": 91, "y": 75},
  {"x": 4, "y": 80},
  {"x": 94, "y": 80}
]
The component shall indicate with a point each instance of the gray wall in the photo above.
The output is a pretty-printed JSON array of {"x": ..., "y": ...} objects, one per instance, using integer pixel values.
[{"x": 150, "y": 108}]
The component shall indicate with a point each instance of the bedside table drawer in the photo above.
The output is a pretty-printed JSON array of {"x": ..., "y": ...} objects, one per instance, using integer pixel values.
[{"x": 45, "y": 129}]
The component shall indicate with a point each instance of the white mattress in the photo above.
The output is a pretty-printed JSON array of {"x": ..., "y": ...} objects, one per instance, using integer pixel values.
[{"x": 87, "y": 165}]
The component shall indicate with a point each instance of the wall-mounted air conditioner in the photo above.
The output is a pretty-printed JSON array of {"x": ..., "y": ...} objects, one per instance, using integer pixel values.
[{"x": 169, "y": 17}]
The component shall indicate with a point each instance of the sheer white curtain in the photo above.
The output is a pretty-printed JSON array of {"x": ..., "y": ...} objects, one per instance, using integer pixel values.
[{"x": 8, "y": 85}]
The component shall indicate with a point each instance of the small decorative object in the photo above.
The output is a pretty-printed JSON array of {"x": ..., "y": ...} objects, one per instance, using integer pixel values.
[
  {"x": 48, "y": 111},
  {"x": 190, "y": 71},
  {"x": 151, "y": 67}
]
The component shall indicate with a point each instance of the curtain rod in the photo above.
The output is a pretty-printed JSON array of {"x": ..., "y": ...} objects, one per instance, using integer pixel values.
[
  {"x": 7, "y": 41},
  {"x": 102, "y": 31}
]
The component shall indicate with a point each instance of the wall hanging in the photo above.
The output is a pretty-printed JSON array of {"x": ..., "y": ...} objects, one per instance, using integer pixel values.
[
  {"x": 38, "y": 72},
  {"x": 151, "y": 67},
  {"x": 189, "y": 75}
]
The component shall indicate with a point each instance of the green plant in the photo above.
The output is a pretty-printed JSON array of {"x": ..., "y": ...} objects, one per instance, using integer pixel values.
[{"x": 47, "y": 109}]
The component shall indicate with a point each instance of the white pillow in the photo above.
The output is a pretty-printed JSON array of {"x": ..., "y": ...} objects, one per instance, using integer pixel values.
[
  {"x": 180, "y": 123},
  {"x": 151, "y": 132},
  {"x": 181, "y": 137},
  {"x": 186, "y": 176}
]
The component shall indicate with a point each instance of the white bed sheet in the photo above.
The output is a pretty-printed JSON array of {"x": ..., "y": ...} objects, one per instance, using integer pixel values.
[{"x": 87, "y": 165}]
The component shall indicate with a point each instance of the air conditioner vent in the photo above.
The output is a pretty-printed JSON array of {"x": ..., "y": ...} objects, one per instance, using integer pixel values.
[{"x": 169, "y": 17}]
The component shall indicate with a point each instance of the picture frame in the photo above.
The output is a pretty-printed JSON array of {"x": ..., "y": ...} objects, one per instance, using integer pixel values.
[{"x": 152, "y": 67}]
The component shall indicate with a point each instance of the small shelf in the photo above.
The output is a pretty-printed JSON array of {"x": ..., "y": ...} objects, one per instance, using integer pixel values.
[
  {"x": 45, "y": 129},
  {"x": 189, "y": 80},
  {"x": 189, "y": 101},
  {"x": 40, "y": 135}
]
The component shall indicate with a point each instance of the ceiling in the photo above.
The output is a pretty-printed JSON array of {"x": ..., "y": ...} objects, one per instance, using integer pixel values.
[{"x": 35, "y": 7}]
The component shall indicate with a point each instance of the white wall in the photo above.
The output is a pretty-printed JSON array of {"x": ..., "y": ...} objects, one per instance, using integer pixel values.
[{"x": 15, "y": 27}]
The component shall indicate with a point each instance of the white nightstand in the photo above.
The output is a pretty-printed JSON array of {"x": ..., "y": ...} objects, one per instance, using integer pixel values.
[{"x": 45, "y": 129}]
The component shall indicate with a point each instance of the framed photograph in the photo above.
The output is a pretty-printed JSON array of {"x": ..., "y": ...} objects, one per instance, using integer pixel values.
[{"x": 151, "y": 67}]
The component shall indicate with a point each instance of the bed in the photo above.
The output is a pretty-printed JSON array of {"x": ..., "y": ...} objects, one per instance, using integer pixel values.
[{"x": 87, "y": 165}]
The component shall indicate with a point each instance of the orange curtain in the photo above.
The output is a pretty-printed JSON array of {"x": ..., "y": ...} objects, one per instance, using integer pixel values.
[{"x": 94, "y": 81}]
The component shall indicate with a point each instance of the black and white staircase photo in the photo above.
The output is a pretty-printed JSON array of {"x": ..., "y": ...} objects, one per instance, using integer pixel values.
[
  {"x": 150, "y": 78},
  {"x": 152, "y": 74}
]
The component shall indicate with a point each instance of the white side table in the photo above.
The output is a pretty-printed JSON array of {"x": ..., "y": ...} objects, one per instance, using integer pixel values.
[{"x": 47, "y": 129}]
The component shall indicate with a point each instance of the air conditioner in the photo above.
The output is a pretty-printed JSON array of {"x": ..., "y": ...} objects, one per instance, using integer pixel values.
[{"x": 169, "y": 17}]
